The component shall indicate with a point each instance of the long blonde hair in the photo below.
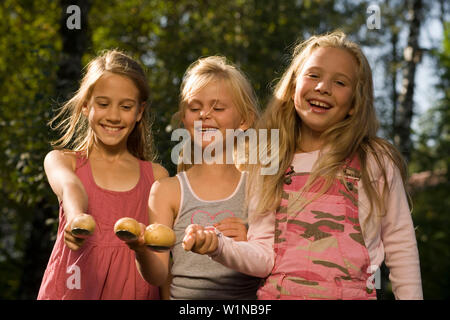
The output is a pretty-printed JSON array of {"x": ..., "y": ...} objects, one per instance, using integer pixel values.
[
  {"x": 77, "y": 135},
  {"x": 207, "y": 70},
  {"x": 354, "y": 136}
]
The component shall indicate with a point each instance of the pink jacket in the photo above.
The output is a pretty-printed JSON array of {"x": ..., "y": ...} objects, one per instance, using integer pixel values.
[{"x": 390, "y": 237}]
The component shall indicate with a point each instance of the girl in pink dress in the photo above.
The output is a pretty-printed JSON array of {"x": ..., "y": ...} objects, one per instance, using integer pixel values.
[
  {"x": 101, "y": 167},
  {"x": 323, "y": 224}
]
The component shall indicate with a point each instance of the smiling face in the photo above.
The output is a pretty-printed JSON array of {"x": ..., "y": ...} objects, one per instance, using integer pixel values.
[
  {"x": 324, "y": 90},
  {"x": 113, "y": 110},
  {"x": 214, "y": 107}
]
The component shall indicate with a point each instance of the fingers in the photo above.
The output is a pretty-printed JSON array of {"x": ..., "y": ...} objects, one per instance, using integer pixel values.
[
  {"x": 233, "y": 228},
  {"x": 72, "y": 242},
  {"x": 214, "y": 243},
  {"x": 233, "y": 233},
  {"x": 141, "y": 234},
  {"x": 233, "y": 223},
  {"x": 75, "y": 242},
  {"x": 139, "y": 243},
  {"x": 231, "y": 220},
  {"x": 230, "y": 227},
  {"x": 189, "y": 237},
  {"x": 200, "y": 240},
  {"x": 80, "y": 222},
  {"x": 82, "y": 225},
  {"x": 206, "y": 241}
]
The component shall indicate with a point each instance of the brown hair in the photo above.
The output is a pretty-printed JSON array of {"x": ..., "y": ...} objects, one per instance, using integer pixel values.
[{"x": 76, "y": 133}]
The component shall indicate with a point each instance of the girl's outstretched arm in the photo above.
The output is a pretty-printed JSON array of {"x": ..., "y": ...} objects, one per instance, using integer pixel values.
[
  {"x": 254, "y": 257},
  {"x": 59, "y": 167},
  {"x": 154, "y": 266}
]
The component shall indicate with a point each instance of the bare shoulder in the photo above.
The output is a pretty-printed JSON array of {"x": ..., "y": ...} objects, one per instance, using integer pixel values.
[
  {"x": 167, "y": 185},
  {"x": 60, "y": 159},
  {"x": 166, "y": 190},
  {"x": 159, "y": 171},
  {"x": 60, "y": 168}
]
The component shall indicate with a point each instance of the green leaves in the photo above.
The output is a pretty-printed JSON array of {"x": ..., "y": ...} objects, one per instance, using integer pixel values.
[{"x": 166, "y": 36}]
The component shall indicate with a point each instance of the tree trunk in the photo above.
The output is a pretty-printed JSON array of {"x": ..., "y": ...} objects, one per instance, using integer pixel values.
[
  {"x": 75, "y": 43},
  {"x": 412, "y": 55},
  {"x": 442, "y": 12},
  {"x": 393, "y": 71}
]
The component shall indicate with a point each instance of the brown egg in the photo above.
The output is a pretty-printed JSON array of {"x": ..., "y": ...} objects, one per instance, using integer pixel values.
[
  {"x": 159, "y": 235},
  {"x": 83, "y": 225},
  {"x": 127, "y": 228}
]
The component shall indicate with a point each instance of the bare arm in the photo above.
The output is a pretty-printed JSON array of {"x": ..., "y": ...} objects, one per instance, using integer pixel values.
[
  {"x": 154, "y": 266},
  {"x": 253, "y": 257},
  {"x": 60, "y": 170},
  {"x": 164, "y": 290},
  {"x": 233, "y": 227}
]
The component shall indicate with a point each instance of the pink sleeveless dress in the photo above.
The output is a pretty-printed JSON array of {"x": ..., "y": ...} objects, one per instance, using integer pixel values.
[
  {"x": 319, "y": 250},
  {"x": 104, "y": 267}
]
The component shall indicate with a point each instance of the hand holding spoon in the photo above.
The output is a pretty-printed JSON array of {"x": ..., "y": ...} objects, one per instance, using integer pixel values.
[
  {"x": 159, "y": 237},
  {"x": 127, "y": 229},
  {"x": 82, "y": 226}
]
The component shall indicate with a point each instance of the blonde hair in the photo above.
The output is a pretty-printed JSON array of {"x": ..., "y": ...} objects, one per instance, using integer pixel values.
[
  {"x": 205, "y": 71},
  {"x": 354, "y": 136},
  {"x": 77, "y": 135}
]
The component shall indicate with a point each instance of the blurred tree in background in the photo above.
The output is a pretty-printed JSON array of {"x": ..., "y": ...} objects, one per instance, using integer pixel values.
[
  {"x": 430, "y": 193},
  {"x": 41, "y": 62},
  {"x": 29, "y": 49}
]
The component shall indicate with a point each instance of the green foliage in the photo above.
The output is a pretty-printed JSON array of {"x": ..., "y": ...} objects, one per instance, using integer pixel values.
[
  {"x": 28, "y": 49},
  {"x": 432, "y": 221},
  {"x": 431, "y": 205},
  {"x": 166, "y": 36},
  {"x": 433, "y": 147},
  {"x": 27, "y": 70}
]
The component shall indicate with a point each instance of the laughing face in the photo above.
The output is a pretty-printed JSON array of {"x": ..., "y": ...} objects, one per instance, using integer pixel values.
[
  {"x": 324, "y": 90},
  {"x": 214, "y": 107},
  {"x": 113, "y": 110}
]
